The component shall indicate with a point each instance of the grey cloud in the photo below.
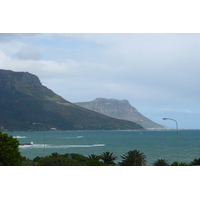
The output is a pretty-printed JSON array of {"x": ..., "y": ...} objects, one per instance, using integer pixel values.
[
  {"x": 28, "y": 53},
  {"x": 8, "y": 37}
]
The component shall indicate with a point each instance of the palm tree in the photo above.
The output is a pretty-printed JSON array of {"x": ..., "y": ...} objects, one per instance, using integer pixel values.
[
  {"x": 108, "y": 158},
  {"x": 94, "y": 157},
  {"x": 133, "y": 158},
  {"x": 195, "y": 162},
  {"x": 160, "y": 162}
]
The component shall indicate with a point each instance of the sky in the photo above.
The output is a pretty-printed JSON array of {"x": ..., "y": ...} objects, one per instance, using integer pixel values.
[
  {"x": 146, "y": 52},
  {"x": 158, "y": 73}
]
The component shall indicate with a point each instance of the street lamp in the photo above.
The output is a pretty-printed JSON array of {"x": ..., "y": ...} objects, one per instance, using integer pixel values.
[
  {"x": 176, "y": 136},
  {"x": 44, "y": 133}
]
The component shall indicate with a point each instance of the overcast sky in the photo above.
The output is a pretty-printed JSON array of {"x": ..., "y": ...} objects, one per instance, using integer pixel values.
[{"x": 157, "y": 73}]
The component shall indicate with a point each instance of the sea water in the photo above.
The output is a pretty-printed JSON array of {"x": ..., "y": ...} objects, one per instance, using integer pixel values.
[{"x": 155, "y": 144}]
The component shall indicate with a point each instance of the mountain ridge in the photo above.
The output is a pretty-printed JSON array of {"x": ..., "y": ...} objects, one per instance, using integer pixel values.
[
  {"x": 120, "y": 109},
  {"x": 24, "y": 101}
]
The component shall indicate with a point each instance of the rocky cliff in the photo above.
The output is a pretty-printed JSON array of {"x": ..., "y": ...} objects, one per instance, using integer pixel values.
[
  {"x": 26, "y": 83},
  {"x": 120, "y": 109}
]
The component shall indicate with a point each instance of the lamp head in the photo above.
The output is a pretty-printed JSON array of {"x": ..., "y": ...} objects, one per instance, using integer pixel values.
[{"x": 164, "y": 118}]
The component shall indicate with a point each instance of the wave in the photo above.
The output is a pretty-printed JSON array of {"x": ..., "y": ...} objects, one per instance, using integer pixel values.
[
  {"x": 99, "y": 145},
  {"x": 48, "y": 146},
  {"x": 19, "y": 136},
  {"x": 80, "y": 136}
]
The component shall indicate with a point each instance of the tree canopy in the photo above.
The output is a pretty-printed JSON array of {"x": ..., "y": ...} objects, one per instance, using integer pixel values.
[
  {"x": 9, "y": 151},
  {"x": 133, "y": 158}
]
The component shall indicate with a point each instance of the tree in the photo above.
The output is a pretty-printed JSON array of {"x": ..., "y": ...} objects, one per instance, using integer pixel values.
[
  {"x": 55, "y": 154},
  {"x": 94, "y": 157},
  {"x": 37, "y": 158},
  {"x": 195, "y": 162},
  {"x": 133, "y": 158},
  {"x": 9, "y": 151},
  {"x": 160, "y": 162},
  {"x": 108, "y": 158}
]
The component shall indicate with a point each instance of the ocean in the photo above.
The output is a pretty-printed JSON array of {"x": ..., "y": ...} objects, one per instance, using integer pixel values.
[{"x": 155, "y": 144}]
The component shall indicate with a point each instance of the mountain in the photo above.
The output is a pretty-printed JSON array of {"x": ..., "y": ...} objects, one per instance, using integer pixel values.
[
  {"x": 120, "y": 109},
  {"x": 24, "y": 101}
]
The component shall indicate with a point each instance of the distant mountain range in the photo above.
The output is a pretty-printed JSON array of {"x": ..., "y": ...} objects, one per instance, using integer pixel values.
[
  {"x": 24, "y": 101},
  {"x": 120, "y": 109}
]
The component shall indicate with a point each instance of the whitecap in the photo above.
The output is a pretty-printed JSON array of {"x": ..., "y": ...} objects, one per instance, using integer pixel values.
[
  {"x": 99, "y": 145},
  {"x": 32, "y": 145},
  {"x": 80, "y": 136},
  {"x": 19, "y": 136},
  {"x": 48, "y": 146}
]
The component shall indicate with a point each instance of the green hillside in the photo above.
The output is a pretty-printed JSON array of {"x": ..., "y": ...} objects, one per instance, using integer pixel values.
[{"x": 24, "y": 100}]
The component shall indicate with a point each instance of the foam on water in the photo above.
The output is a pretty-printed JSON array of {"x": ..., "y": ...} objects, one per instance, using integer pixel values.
[
  {"x": 48, "y": 146},
  {"x": 80, "y": 136},
  {"x": 19, "y": 136}
]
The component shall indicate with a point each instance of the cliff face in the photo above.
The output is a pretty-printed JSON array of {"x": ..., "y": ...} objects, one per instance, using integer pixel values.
[
  {"x": 26, "y": 83},
  {"x": 18, "y": 79},
  {"x": 120, "y": 109},
  {"x": 24, "y": 101}
]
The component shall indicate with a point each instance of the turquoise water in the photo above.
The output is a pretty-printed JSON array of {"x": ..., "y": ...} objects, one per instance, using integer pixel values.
[{"x": 154, "y": 144}]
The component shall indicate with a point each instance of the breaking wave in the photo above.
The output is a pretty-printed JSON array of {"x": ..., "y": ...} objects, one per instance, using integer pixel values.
[
  {"x": 48, "y": 146},
  {"x": 19, "y": 136},
  {"x": 80, "y": 136}
]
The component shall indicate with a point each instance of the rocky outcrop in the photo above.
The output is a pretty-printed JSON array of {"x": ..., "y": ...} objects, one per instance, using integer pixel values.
[{"x": 27, "y": 83}]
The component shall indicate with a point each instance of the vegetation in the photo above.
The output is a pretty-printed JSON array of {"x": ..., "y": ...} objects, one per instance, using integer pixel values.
[
  {"x": 160, "y": 162},
  {"x": 179, "y": 164},
  {"x": 57, "y": 161},
  {"x": 108, "y": 158},
  {"x": 73, "y": 159},
  {"x": 9, "y": 151},
  {"x": 94, "y": 157},
  {"x": 93, "y": 162},
  {"x": 133, "y": 158},
  {"x": 195, "y": 162}
]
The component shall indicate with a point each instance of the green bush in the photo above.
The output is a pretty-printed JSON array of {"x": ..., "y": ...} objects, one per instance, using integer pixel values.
[
  {"x": 78, "y": 157},
  {"x": 57, "y": 161},
  {"x": 179, "y": 164},
  {"x": 93, "y": 162}
]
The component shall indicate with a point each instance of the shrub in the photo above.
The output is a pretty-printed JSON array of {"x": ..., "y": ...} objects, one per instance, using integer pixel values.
[
  {"x": 93, "y": 162},
  {"x": 57, "y": 161}
]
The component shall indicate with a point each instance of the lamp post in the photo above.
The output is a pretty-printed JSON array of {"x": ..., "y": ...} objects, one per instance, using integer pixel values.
[
  {"x": 176, "y": 137},
  {"x": 44, "y": 133}
]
